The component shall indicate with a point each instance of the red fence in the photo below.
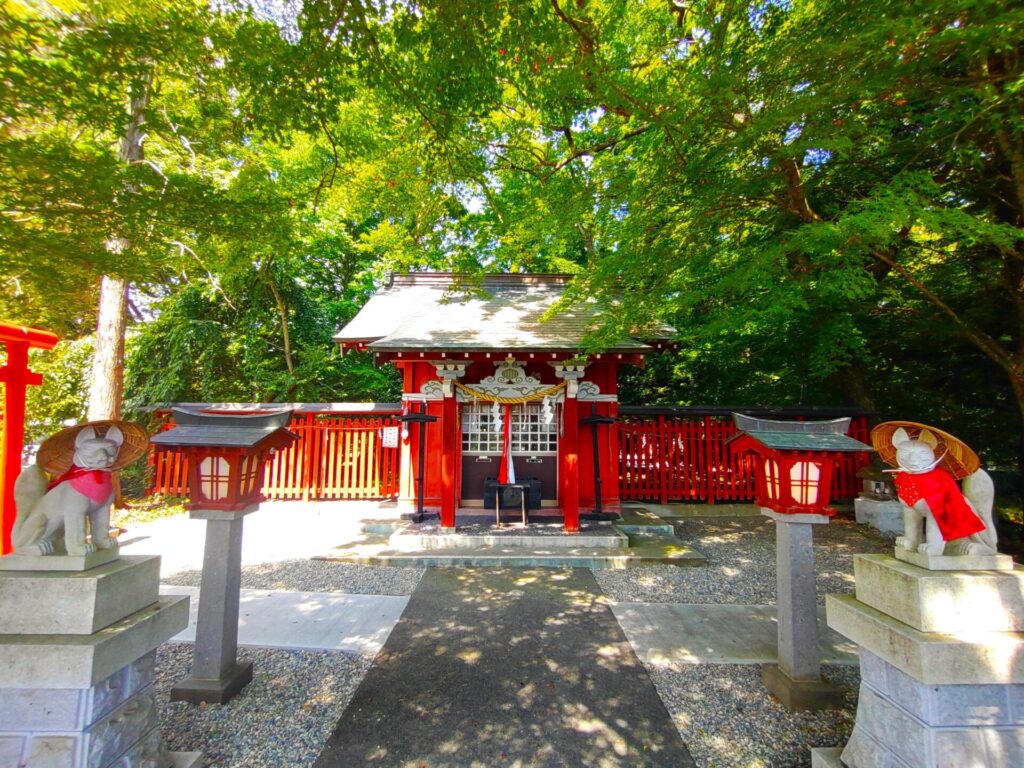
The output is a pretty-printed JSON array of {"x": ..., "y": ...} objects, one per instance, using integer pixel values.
[
  {"x": 664, "y": 455},
  {"x": 668, "y": 457},
  {"x": 337, "y": 456}
]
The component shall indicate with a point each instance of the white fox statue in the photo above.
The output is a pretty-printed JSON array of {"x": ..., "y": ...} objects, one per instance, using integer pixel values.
[
  {"x": 930, "y": 497},
  {"x": 51, "y": 516}
]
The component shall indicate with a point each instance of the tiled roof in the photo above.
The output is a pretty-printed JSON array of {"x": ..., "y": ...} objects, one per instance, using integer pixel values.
[{"x": 422, "y": 311}]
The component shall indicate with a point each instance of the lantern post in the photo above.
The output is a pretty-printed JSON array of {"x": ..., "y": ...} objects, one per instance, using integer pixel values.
[
  {"x": 422, "y": 418},
  {"x": 794, "y": 465},
  {"x": 595, "y": 420},
  {"x": 227, "y": 456}
]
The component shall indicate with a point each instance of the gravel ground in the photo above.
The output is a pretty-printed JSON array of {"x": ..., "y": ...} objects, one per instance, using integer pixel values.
[
  {"x": 282, "y": 718},
  {"x": 317, "y": 576},
  {"x": 741, "y": 563},
  {"x": 728, "y": 720}
]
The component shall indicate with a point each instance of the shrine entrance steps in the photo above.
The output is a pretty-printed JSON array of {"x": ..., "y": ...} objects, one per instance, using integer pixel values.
[
  {"x": 639, "y": 538},
  {"x": 506, "y": 667}
]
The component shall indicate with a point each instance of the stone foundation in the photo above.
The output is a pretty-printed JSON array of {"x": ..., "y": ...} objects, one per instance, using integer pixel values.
[
  {"x": 941, "y": 662},
  {"x": 77, "y": 650}
]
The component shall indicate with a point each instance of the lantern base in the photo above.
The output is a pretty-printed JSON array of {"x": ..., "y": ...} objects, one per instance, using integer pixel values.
[
  {"x": 196, "y": 690},
  {"x": 800, "y": 695}
]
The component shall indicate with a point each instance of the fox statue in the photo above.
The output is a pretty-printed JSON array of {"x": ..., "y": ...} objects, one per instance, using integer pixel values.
[
  {"x": 954, "y": 522},
  {"x": 51, "y": 515}
]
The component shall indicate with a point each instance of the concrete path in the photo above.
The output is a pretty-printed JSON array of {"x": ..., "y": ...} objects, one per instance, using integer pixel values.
[
  {"x": 277, "y": 531},
  {"x": 666, "y": 633},
  {"x": 506, "y": 667},
  {"x": 305, "y": 620}
]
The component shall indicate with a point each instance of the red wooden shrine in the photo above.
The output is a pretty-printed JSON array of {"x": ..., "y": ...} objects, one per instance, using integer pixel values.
[
  {"x": 465, "y": 351},
  {"x": 16, "y": 378}
]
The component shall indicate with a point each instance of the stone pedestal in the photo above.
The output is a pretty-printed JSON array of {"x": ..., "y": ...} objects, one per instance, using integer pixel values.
[
  {"x": 884, "y": 514},
  {"x": 77, "y": 650},
  {"x": 217, "y": 675},
  {"x": 796, "y": 679},
  {"x": 941, "y": 661}
]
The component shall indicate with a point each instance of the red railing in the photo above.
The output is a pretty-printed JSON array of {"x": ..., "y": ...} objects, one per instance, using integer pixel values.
[
  {"x": 665, "y": 455},
  {"x": 340, "y": 454},
  {"x": 671, "y": 456}
]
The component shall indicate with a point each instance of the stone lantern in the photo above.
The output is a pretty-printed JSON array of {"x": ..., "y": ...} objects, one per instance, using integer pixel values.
[
  {"x": 794, "y": 465},
  {"x": 227, "y": 454}
]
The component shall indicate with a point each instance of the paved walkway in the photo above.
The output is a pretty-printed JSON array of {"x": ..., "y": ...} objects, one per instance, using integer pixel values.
[
  {"x": 659, "y": 633},
  {"x": 675, "y": 633},
  {"x": 506, "y": 667},
  {"x": 305, "y": 620}
]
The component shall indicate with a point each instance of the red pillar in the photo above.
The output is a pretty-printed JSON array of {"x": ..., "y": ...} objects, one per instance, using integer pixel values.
[
  {"x": 449, "y": 438},
  {"x": 16, "y": 378},
  {"x": 569, "y": 450}
]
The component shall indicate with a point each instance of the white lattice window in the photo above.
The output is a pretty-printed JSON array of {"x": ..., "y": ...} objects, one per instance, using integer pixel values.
[{"x": 531, "y": 432}]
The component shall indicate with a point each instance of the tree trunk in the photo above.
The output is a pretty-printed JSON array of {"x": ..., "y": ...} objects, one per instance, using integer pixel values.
[
  {"x": 112, "y": 319},
  {"x": 282, "y": 310},
  {"x": 108, "y": 356},
  {"x": 107, "y": 389}
]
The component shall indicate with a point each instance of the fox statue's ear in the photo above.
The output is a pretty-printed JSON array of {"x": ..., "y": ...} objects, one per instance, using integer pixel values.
[
  {"x": 84, "y": 436},
  {"x": 114, "y": 435},
  {"x": 899, "y": 436},
  {"x": 928, "y": 439}
]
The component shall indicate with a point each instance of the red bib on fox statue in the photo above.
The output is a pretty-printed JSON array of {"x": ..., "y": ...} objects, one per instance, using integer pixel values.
[{"x": 953, "y": 515}]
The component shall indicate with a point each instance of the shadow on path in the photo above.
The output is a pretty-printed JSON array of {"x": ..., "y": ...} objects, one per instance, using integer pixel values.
[{"x": 506, "y": 667}]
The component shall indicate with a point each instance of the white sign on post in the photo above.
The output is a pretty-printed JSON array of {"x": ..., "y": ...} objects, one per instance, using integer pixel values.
[{"x": 389, "y": 437}]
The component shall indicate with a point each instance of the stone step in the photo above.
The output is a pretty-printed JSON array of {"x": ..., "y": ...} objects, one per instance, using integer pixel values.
[
  {"x": 81, "y": 661},
  {"x": 963, "y": 658},
  {"x": 407, "y": 540},
  {"x": 941, "y": 601},
  {"x": 640, "y": 520},
  {"x": 76, "y": 603},
  {"x": 661, "y": 552}
]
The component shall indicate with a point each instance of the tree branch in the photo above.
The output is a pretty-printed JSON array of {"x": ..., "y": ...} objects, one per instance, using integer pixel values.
[{"x": 988, "y": 345}]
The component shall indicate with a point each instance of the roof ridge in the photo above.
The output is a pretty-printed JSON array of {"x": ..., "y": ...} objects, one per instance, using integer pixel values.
[{"x": 506, "y": 278}]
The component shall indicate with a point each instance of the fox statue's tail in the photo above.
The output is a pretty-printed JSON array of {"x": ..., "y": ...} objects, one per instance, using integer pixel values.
[
  {"x": 29, "y": 489},
  {"x": 980, "y": 493}
]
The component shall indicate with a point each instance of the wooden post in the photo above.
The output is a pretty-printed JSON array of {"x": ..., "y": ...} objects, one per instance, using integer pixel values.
[
  {"x": 16, "y": 378},
  {"x": 663, "y": 470},
  {"x": 570, "y": 464},
  {"x": 449, "y": 438}
]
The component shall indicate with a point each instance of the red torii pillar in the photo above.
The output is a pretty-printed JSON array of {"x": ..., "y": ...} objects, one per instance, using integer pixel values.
[{"x": 16, "y": 378}]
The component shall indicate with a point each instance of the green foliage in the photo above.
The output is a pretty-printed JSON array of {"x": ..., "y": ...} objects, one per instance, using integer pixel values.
[
  {"x": 62, "y": 396},
  {"x": 825, "y": 198}
]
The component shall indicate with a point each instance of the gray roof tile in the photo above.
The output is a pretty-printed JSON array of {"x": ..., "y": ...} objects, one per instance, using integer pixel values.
[{"x": 421, "y": 311}]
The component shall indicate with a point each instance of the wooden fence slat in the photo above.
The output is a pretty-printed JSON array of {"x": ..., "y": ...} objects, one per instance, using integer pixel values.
[
  {"x": 335, "y": 457},
  {"x": 686, "y": 459}
]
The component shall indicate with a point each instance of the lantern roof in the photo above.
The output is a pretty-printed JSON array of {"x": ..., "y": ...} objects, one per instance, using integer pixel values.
[
  {"x": 196, "y": 428},
  {"x": 439, "y": 311},
  {"x": 827, "y": 436}
]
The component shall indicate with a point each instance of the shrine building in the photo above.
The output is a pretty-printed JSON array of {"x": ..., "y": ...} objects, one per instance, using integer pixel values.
[{"x": 506, "y": 387}]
